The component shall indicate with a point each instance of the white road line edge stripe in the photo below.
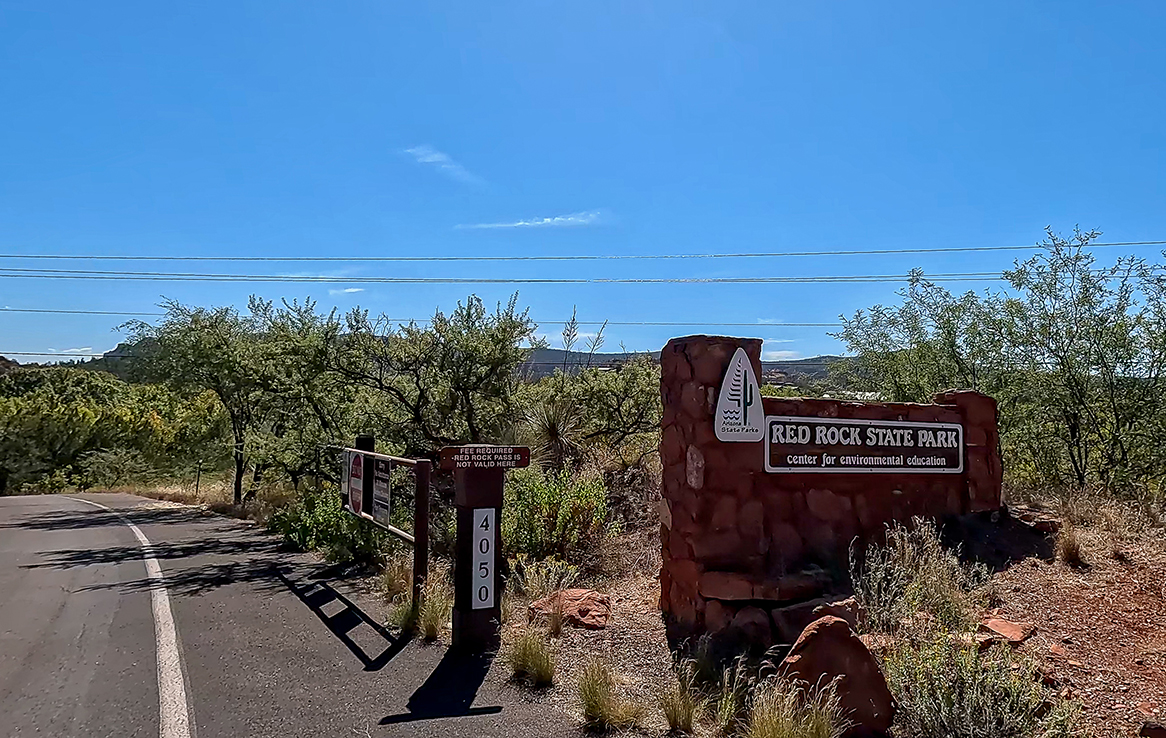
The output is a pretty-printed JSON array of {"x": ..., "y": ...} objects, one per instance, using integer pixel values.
[{"x": 173, "y": 711}]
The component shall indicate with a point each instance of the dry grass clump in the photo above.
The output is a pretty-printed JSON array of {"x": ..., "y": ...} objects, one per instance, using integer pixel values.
[
  {"x": 783, "y": 709},
  {"x": 732, "y": 699},
  {"x": 682, "y": 701},
  {"x": 537, "y": 579},
  {"x": 1069, "y": 549},
  {"x": 396, "y": 579},
  {"x": 436, "y": 606},
  {"x": 432, "y": 617},
  {"x": 603, "y": 709},
  {"x": 531, "y": 659},
  {"x": 915, "y": 573}
]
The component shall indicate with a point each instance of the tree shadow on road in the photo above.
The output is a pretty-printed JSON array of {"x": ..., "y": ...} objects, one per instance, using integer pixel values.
[{"x": 94, "y": 518}]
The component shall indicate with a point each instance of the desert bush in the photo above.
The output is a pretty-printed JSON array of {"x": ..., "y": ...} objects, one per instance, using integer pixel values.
[
  {"x": 553, "y": 513},
  {"x": 603, "y": 709},
  {"x": 947, "y": 690},
  {"x": 783, "y": 709},
  {"x": 315, "y": 520},
  {"x": 531, "y": 658},
  {"x": 681, "y": 700},
  {"x": 913, "y": 572},
  {"x": 537, "y": 579},
  {"x": 1072, "y": 351}
]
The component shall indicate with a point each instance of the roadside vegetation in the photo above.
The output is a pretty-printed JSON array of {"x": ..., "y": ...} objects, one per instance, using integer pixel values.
[{"x": 248, "y": 407}]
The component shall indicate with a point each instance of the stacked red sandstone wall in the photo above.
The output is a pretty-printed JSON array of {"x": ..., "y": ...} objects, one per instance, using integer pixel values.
[{"x": 737, "y": 541}]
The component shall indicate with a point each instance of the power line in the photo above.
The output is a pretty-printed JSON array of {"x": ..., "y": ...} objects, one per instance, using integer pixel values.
[
  {"x": 679, "y": 324},
  {"x": 79, "y": 312},
  {"x": 322, "y": 279},
  {"x": 791, "y": 363},
  {"x": 563, "y": 257}
]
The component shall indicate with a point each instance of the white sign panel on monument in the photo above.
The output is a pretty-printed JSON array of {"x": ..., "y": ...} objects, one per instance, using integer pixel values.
[{"x": 740, "y": 415}]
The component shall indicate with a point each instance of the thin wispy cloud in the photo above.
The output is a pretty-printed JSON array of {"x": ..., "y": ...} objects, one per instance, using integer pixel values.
[
  {"x": 346, "y": 291},
  {"x": 780, "y": 355},
  {"x": 443, "y": 163},
  {"x": 590, "y": 217},
  {"x": 81, "y": 350}
]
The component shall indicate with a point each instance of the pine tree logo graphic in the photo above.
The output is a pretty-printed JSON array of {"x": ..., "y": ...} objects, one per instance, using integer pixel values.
[{"x": 739, "y": 414}]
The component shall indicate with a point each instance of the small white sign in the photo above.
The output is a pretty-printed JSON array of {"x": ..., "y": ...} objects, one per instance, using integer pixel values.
[
  {"x": 740, "y": 416},
  {"x": 484, "y": 558}
]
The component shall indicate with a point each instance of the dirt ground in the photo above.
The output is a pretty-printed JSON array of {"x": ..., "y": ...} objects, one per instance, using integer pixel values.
[{"x": 1101, "y": 627}]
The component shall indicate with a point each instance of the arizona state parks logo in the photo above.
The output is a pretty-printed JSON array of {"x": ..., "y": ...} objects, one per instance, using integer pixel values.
[{"x": 740, "y": 416}]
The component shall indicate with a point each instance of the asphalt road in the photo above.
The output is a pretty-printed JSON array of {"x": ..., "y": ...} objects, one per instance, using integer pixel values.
[{"x": 268, "y": 642}]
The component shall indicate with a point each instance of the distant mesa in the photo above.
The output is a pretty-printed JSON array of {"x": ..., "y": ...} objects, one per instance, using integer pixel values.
[{"x": 544, "y": 362}]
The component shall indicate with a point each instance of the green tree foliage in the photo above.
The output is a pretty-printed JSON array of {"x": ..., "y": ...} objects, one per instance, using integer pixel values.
[
  {"x": 194, "y": 349},
  {"x": 1073, "y": 352},
  {"x": 268, "y": 369},
  {"x": 64, "y": 419},
  {"x": 451, "y": 382}
]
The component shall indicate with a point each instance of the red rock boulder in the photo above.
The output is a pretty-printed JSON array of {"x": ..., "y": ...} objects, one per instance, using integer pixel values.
[
  {"x": 829, "y": 650},
  {"x": 583, "y": 608}
]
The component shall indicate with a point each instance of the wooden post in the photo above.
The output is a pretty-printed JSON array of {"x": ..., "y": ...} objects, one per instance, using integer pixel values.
[
  {"x": 479, "y": 476},
  {"x": 477, "y": 583},
  {"x": 420, "y": 529}
]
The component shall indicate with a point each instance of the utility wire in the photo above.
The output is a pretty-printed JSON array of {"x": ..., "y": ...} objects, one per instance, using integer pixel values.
[
  {"x": 313, "y": 279},
  {"x": 565, "y": 257},
  {"x": 80, "y": 312},
  {"x": 596, "y": 363},
  {"x": 428, "y": 320}
]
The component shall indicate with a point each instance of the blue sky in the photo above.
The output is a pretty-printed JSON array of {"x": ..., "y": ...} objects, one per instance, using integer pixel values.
[{"x": 377, "y": 128}]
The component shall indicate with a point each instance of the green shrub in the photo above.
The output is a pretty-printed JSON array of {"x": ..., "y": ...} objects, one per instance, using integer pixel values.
[
  {"x": 531, "y": 659},
  {"x": 783, "y": 709},
  {"x": 552, "y": 513},
  {"x": 913, "y": 573},
  {"x": 603, "y": 709},
  {"x": 946, "y": 690},
  {"x": 315, "y": 520}
]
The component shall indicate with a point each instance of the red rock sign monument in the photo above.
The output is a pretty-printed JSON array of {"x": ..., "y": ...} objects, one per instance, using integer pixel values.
[{"x": 759, "y": 490}]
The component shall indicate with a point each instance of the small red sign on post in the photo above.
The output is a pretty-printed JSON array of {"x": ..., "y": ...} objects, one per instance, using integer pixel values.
[
  {"x": 355, "y": 481},
  {"x": 485, "y": 457}
]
